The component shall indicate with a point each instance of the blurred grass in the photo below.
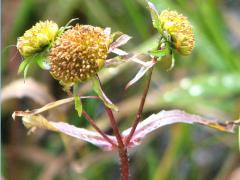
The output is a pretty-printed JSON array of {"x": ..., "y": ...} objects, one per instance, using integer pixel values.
[{"x": 206, "y": 83}]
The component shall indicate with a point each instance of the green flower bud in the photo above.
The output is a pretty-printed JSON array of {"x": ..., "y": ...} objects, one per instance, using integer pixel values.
[
  {"x": 180, "y": 30},
  {"x": 36, "y": 38},
  {"x": 79, "y": 53}
]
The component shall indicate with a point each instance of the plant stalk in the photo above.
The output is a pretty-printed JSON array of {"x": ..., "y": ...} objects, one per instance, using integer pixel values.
[
  {"x": 122, "y": 149},
  {"x": 92, "y": 122},
  {"x": 141, "y": 106}
]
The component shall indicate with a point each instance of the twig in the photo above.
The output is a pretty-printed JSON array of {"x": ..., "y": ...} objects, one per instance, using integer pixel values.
[{"x": 140, "y": 109}]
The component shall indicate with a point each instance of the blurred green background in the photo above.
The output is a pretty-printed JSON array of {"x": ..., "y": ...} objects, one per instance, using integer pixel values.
[{"x": 206, "y": 83}]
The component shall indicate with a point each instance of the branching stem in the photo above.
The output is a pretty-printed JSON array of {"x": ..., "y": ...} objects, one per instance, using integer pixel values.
[{"x": 141, "y": 106}]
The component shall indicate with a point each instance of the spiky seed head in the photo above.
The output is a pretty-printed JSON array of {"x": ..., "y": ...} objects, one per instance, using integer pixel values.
[
  {"x": 179, "y": 29},
  {"x": 79, "y": 53},
  {"x": 36, "y": 38}
]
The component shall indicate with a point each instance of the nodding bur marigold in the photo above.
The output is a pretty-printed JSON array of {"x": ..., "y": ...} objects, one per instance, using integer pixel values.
[
  {"x": 79, "y": 53},
  {"x": 36, "y": 38},
  {"x": 179, "y": 29}
]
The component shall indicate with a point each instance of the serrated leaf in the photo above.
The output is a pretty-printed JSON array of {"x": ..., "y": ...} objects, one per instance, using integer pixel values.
[
  {"x": 154, "y": 14},
  {"x": 97, "y": 88},
  {"x": 77, "y": 100}
]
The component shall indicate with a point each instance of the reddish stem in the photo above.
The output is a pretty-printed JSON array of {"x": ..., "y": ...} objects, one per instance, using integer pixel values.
[
  {"x": 122, "y": 149},
  {"x": 140, "y": 109},
  {"x": 92, "y": 122}
]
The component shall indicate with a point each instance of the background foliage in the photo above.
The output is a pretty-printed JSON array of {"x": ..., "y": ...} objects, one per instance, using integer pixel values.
[{"x": 205, "y": 83}]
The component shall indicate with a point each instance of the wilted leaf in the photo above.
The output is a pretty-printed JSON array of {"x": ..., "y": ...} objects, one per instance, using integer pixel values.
[
  {"x": 38, "y": 121},
  {"x": 97, "y": 88},
  {"x": 123, "y": 39},
  {"x": 139, "y": 75},
  {"x": 164, "y": 118},
  {"x": 26, "y": 88}
]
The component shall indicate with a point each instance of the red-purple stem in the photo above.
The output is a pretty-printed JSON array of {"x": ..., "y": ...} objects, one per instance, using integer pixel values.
[
  {"x": 140, "y": 109},
  {"x": 92, "y": 122},
  {"x": 122, "y": 149}
]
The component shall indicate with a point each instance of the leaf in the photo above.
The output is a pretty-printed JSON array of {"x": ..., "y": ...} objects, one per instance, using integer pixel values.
[
  {"x": 142, "y": 71},
  {"x": 23, "y": 65},
  {"x": 154, "y": 14},
  {"x": 31, "y": 89},
  {"x": 26, "y": 70},
  {"x": 38, "y": 121},
  {"x": 97, "y": 88},
  {"x": 44, "y": 108},
  {"x": 172, "y": 63},
  {"x": 164, "y": 118},
  {"x": 160, "y": 53},
  {"x": 123, "y": 39},
  {"x": 77, "y": 100}
]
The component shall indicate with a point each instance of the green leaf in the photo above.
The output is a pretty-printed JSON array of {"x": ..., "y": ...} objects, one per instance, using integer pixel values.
[
  {"x": 97, "y": 88},
  {"x": 26, "y": 70},
  {"x": 160, "y": 53},
  {"x": 23, "y": 65},
  {"x": 41, "y": 60},
  {"x": 77, "y": 100},
  {"x": 154, "y": 15}
]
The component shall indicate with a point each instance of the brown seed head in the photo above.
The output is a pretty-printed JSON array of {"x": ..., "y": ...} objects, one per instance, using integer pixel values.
[{"x": 79, "y": 53}]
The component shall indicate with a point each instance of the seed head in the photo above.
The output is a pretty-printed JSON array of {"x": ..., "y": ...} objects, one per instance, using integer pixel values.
[
  {"x": 79, "y": 53},
  {"x": 180, "y": 30},
  {"x": 36, "y": 38}
]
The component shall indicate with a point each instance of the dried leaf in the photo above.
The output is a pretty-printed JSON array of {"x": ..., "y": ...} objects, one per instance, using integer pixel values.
[
  {"x": 27, "y": 88},
  {"x": 164, "y": 118},
  {"x": 38, "y": 121},
  {"x": 123, "y": 39},
  {"x": 84, "y": 135},
  {"x": 139, "y": 75},
  {"x": 97, "y": 88}
]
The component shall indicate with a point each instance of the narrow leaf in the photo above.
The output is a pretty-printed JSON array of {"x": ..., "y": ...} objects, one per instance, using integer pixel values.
[
  {"x": 154, "y": 14},
  {"x": 164, "y": 118},
  {"x": 97, "y": 88},
  {"x": 26, "y": 70},
  {"x": 142, "y": 71},
  {"x": 123, "y": 39},
  {"x": 23, "y": 65},
  {"x": 38, "y": 121},
  {"x": 77, "y": 100}
]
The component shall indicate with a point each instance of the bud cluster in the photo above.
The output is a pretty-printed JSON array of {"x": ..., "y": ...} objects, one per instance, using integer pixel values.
[
  {"x": 36, "y": 38},
  {"x": 179, "y": 29}
]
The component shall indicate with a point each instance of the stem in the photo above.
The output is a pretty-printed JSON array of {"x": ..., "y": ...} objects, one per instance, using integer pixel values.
[
  {"x": 92, "y": 122},
  {"x": 122, "y": 149},
  {"x": 140, "y": 109}
]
